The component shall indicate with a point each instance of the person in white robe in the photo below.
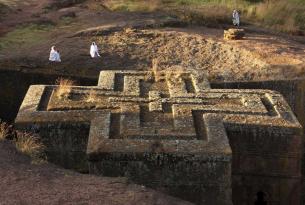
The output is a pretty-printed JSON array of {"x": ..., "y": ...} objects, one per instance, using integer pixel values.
[
  {"x": 94, "y": 50},
  {"x": 236, "y": 19},
  {"x": 54, "y": 55}
]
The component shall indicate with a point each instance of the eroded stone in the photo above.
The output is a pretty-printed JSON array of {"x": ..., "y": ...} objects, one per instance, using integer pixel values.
[{"x": 177, "y": 135}]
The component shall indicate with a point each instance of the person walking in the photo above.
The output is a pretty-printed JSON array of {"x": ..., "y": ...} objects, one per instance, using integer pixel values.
[
  {"x": 236, "y": 18},
  {"x": 94, "y": 51},
  {"x": 54, "y": 55}
]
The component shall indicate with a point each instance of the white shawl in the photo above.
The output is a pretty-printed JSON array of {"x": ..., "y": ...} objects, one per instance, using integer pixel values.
[
  {"x": 54, "y": 55},
  {"x": 94, "y": 51}
]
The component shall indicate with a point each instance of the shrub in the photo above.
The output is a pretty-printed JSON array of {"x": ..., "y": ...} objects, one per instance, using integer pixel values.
[
  {"x": 58, "y": 4},
  {"x": 4, "y": 9},
  {"x": 30, "y": 145},
  {"x": 4, "y": 130},
  {"x": 281, "y": 15},
  {"x": 64, "y": 87},
  {"x": 133, "y": 5},
  {"x": 92, "y": 96}
]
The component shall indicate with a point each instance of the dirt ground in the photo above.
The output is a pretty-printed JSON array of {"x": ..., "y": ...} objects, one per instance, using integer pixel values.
[
  {"x": 261, "y": 55},
  {"x": 23, "y": 183}
]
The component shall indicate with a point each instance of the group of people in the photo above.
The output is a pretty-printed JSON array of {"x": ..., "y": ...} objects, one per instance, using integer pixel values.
[
  {"x": 55, "y": 55},
  {"x": 94, "y": 52}
]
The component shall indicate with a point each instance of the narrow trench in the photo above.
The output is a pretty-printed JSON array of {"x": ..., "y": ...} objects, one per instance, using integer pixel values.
[
  {"x": 189, "y": 85},
  {"x": 199, "y": 125},
  {"x": 119, "y": 82},
  {"x": 114, "y": 132},
  {"x": 14, "y": 85}
]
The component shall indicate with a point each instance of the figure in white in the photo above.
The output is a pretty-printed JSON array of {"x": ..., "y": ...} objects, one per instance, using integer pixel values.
[
  {"x": 54, "y": 55},
  {"x": 235, "y": 18},
  {"x": 94, "y": 50}
]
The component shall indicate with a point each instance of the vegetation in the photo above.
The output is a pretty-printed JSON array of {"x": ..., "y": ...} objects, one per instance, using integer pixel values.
[
  {"x": 64, "y": 87},
  {"x": 30, "y": 145},
  {"x": 281, "y": 15},
  {"x": 4, "y": 9},
  {"x": 92, "y": 96},
  {"x": 4, "y": 130},
  {"x": 25, "y": 143},
  {"x": 30, "y": 34},
  {"x": 9, "y": 3},
  {"x": 58, "y": 4}
]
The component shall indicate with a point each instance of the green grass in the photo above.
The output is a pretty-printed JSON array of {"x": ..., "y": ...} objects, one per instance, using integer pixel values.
[
  {"x": 9, "y": 3},
  {"x": 281, "y": 15},
  {"x": 132, "y": 5},
  {"x": 4, "y": 9},
  {"x": 28, "y": 35}
]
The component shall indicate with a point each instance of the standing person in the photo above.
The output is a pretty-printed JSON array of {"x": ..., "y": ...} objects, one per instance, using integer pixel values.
[
  {"x": 94, "y": 50},
  {"x": 54, "y": 55},
  {"x": 236, "y": 19}
]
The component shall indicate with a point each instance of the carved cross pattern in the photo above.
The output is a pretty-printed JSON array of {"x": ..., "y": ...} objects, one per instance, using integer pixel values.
[
  {"x": 135, "y": 120},
  {"x": 188, "y": 109}
]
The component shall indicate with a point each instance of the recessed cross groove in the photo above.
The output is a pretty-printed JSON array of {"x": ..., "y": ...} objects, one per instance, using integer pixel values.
[{"x": 177, "y": 134}]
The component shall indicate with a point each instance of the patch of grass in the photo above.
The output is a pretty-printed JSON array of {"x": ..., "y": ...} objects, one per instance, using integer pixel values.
[
  {"x": 4, "y": 130},
  {"x": 64, "y": 87},
  {"x": 159, "y": 75},
  {"x": 9, "y": 3},
  {"x": 92, "y": 96},
  {"x": 58, "y": 4},
  {"x": 30, "y": 145},
  {"x": 133, "y": 5},
  {"x": 66, "y": 20},
  {"x": 4, "y": 9},
  {"x": 286, "y": 16},
  {"x": 27, "y": 35},
  {"x": 281, "y": 15},
  {"x": 26, "y": 143}
]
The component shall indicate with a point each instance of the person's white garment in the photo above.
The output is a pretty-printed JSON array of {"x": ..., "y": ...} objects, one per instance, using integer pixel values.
[
  {"x": 94, "y": 51},
  {"x": 54, "y": 55},
  {"x": 236, "y": 20}
]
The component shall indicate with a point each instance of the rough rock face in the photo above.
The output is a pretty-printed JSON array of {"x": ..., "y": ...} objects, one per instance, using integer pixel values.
[
  {"x": 173, "y": 135},
  {"x": 234, "y": 34},
  {"x": 136, "y": 49}
]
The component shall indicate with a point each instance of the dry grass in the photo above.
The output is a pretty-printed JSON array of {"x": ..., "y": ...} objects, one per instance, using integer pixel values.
[
  {"x": 25, "y": 143},
  {"x": 12, "y": 3},
  {"x": 92, "y": 96},
  {"x": 281, "y": 15},
  {"x": 159, "y": 75},
  {"x": 4, "y": 130},
  {"x": 30, "y": 145},
  {"x": 175, "y": 74},
  {"x": 133, "y": 5},
  {"x": 64, "y": 87}
]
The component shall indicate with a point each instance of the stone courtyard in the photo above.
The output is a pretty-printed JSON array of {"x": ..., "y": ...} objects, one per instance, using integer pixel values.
[{"x": 171, "y": 131}]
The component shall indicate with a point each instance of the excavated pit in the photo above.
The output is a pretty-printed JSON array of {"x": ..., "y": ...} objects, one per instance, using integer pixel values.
[
  {"x": 223, "y": 65},
  {"x": 189, "y": 140}
]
